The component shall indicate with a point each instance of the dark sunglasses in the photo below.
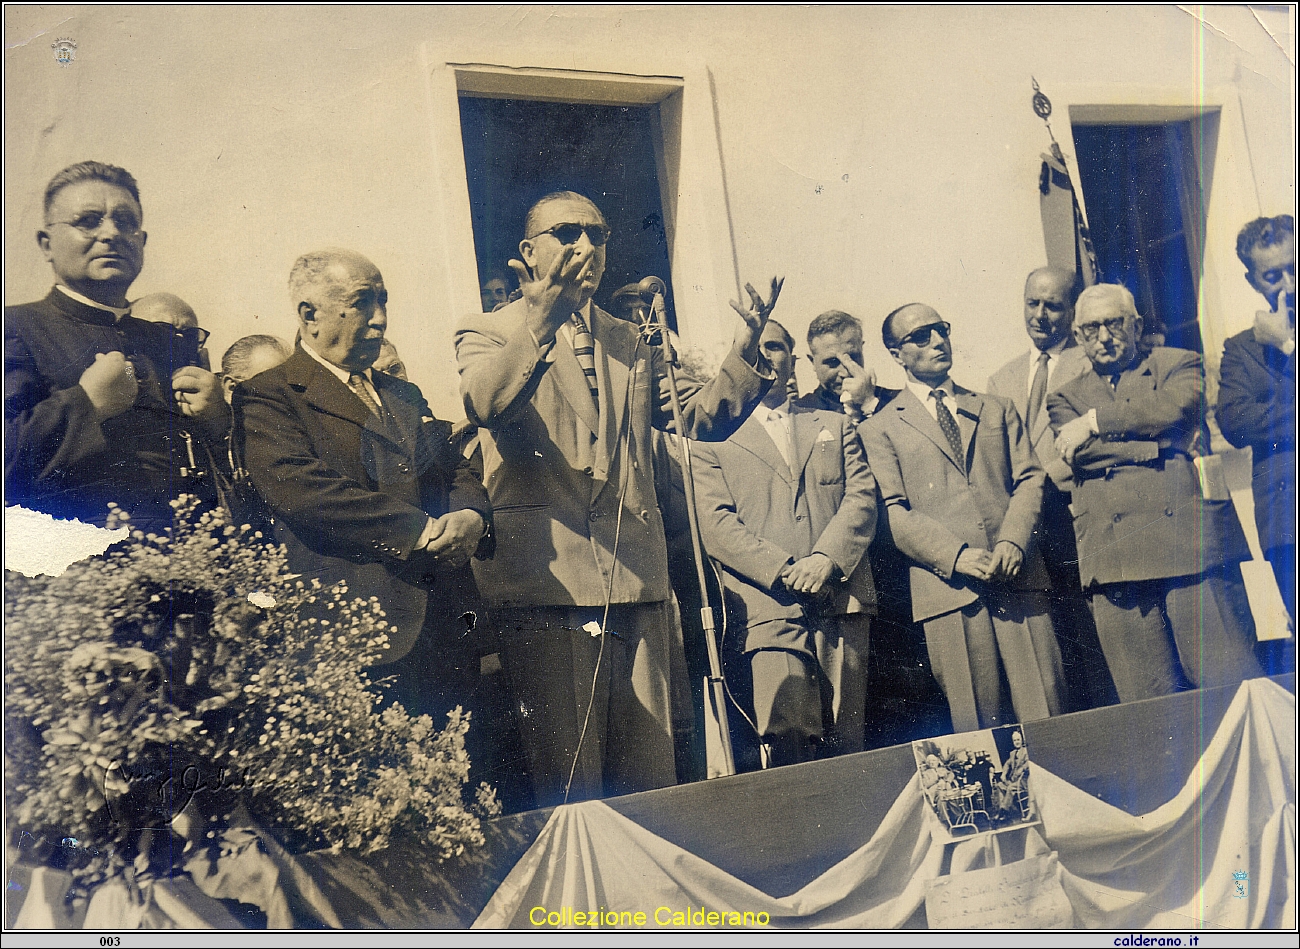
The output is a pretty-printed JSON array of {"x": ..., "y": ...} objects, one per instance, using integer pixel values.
[
  {"x": 567, "y": 234},
  {"x": 921, "y": 335}
]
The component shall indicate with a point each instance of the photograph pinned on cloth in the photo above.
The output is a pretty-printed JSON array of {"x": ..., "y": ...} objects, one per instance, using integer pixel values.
[{"x": 975, "y": 782}]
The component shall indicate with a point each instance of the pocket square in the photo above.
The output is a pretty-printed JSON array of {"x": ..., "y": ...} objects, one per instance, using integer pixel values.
[{"x": 825, "y": 436}]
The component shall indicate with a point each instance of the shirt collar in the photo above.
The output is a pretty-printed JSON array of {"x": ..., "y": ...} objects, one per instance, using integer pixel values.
[
  {"x": 922, "y": 391},
  {"x": 783, "y": 410},
  {"x": 117, "y": 311},
  {"x": 343, "y": 375},
  {"x": 1053, "y": 352}
]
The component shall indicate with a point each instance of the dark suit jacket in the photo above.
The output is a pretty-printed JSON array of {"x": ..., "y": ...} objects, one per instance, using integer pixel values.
[
  {"x": 1257, "y": 387},
  {"x": 756, "y": 515},
  {"x": 350, "y": 496},
  {"x": 555, "y": 466},
  {"x": 58, "y": 457},
  {"x": 1138, "y": 513},
  {"x": 934, "y": 510}
]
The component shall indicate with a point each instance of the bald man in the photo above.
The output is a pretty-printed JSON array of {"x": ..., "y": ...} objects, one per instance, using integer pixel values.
[
  {"x": 169, "y": 308},
  {"x": 341, "y": 456},
  {"x": 1054, "y": 359},
  {"x": 962, "y": 493}
]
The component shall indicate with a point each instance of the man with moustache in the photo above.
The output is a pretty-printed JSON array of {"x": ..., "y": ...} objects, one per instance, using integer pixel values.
[
  {"x": 962, "y": 492},
  {"x": 565, "y": 397},
  {"x": 102, "y": 407},
  {"x": 788, "y": 507},
  {"x": 1160, "y": 561},
  {"x": 1257, "y": 388},
  {"x": 1053, "y": 359},
  {"x": 342, "y": 458}
]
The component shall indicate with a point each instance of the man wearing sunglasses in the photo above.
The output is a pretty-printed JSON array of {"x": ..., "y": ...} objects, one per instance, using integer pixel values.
[
  {"x": 1160, "y": 561},
  {"x": 98, "y": 402},
  {"x": 565, "y": 396},
  {"x": 962, "y": 493}
]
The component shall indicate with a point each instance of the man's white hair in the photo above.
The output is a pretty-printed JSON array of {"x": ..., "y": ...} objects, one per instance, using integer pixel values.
[{"x": 1102, "y": 293}]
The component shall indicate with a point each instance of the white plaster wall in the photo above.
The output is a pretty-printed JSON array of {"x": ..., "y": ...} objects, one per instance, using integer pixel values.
[{"x": 873, "y": 155}]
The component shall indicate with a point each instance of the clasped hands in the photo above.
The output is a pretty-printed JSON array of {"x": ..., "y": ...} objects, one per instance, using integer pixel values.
[
  {"x": 1001, "y": 563},
  {"x": 808, "y": 575},
  {"x": 452, "y": 538},
  {"x": 111, "y": 384}
]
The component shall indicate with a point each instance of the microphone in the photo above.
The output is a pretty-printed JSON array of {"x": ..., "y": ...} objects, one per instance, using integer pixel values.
[{"x": 649, "y": 287}]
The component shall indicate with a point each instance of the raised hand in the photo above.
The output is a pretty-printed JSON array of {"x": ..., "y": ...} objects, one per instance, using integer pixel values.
[
  {"x": 198, "y": 393},
  {"x": 552, "y": 297},
  {"x": 858, "y": 390},
  {"x": 1274, "y": 327},
  {"x": 755, "y": 318},
  {"x": 111, "y": 384}
]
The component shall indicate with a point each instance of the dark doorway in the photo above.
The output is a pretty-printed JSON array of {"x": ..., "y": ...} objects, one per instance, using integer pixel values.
[
  {"x": 518, "y": 150},
  {"x": 1146, "y": 188}
]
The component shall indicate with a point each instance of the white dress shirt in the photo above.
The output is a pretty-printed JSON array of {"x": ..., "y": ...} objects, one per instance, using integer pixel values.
[
  {"x": 343, "y": 375},
  {"x": 922, "y": 392}
]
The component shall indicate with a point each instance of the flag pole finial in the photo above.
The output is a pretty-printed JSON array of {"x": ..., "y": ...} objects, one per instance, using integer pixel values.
[{"x": 1043, "y": 109}]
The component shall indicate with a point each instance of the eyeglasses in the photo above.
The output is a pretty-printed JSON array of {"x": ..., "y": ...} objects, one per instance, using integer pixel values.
[
  {"x": 1116, "y": 326},
  {"x": 90, "y": 223},
  {"x": 567, "y": 234},
  {"x": 921, "y": 335}
]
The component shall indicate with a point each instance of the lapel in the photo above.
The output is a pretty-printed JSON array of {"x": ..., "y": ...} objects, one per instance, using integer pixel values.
[
  {"x": 613, "y": 366},
  {"x": 1069, "y": 366},
  {"x": 805, "y": 426},
  {"x": 573, "y": 382},
  {"x": 969, "y": 406},
  {"x": 753, "y": 437},
  {"x": 1138, "y": 378},
  {"x": 405, "y": 416},
  {"x": 910, "y": 411},
  {"x": 1094, "y": 389},
  {"x": 326, "y": 393}
]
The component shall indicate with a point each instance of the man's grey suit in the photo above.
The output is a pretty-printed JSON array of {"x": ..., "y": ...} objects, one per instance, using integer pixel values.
[
  {"x": 936, "y": 507},
  {"x": 1084, "y": 663},
  {"x": 578, "y": 525},
  {"x": 758, "y": 514}
]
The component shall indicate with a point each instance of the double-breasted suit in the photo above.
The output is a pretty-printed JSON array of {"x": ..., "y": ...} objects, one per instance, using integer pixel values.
[
  {"x": 938, "y": 505},
  {"x": 1159, "y": 559},
  {"x": 1257, "y": 389},
  {"x": 758, "y": 514},
  {"x": 1085, "y": 667},
  {"x": 572, "y": 483},
  {"x": 351, "y": 493}
]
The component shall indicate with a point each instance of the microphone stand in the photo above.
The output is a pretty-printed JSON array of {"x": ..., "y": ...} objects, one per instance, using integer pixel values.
[{"x": 716, "y": 686}]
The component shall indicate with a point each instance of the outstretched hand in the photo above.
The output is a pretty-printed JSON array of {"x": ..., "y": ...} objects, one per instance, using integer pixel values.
[{"x": 755, "y": 318}]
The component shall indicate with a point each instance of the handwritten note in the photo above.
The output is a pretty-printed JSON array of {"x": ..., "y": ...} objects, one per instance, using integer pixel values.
[{"x": 1022, "y": 895}]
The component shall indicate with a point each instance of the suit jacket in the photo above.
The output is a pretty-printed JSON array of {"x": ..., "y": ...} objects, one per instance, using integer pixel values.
[
  {"x": 58, "y": 457},
  {"x": 757, "y": 514},
  {"x": 1012, "y": 382},
  {"x": 350, "y": 495},
  {"x": 1257, "y": 387},
  {"x": 1138, "y": 513},
  {"x": 934, "y": 510},
  {"x": 555, "y": 466}
]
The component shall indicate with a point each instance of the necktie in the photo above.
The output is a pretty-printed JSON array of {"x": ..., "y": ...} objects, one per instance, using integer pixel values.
[
  {"x": 1037, "y": 391},
  {"x": 781, "y": 435},
  {"x": 949, "y": 426},
  {"x": 584, "y": 347},
  {"x": 357, "y": 383}
]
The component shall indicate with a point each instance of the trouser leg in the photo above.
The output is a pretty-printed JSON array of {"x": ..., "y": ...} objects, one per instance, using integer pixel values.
[
  {"x": 787, "y": 705},
  {"x": 1030, "y": 654},
  {"x": 1137, "y": 646},
  {"x": 1212, "y": 628},
  {"x": 964, "y": 658},
  {"x": 841, "y": 643}
]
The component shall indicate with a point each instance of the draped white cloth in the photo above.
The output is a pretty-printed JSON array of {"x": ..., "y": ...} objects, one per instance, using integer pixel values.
[{"x": 1171, "y": 868}]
